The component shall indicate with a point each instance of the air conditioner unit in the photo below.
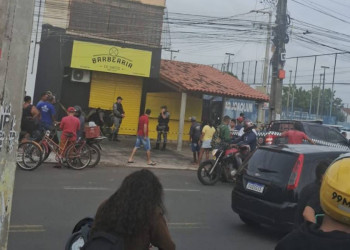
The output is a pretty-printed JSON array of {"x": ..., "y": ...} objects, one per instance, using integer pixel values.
[{"x": 80, "y": 75}]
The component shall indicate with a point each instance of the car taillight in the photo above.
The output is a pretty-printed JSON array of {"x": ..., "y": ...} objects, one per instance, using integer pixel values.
[
  {"x": 296, "y": 172},
  {"x": 269, "y": 139}
]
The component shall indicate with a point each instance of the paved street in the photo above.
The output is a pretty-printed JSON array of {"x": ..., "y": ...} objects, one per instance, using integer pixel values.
[{"x": 48, "y": 202}]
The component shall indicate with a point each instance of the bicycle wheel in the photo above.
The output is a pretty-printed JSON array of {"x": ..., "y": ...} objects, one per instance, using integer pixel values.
[
  {"x": 46, "y": 150},
  {"x": 78, "y": 156},
  {"x": 95, "y": 155},
  {"x": 28, "y": 155}
]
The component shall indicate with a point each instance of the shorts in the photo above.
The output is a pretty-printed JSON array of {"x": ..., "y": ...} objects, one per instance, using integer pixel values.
[
  {"x": 206, "y": 144},
  {"x": 195, "y": 147},
  {"x": 146, "y": 142}
]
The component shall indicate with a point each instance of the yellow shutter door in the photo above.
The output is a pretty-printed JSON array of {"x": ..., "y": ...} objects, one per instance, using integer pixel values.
[
  {"x": 173, "y": 101},
  {"x": 106, "y": 87}
]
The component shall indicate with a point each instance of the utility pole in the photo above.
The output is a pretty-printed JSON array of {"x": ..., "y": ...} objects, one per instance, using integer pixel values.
[
  {"x": 16, "y": 20},
  {"x": 331, "y": 104},
  {"x": 278, "y": 74},
  {"x": 266, "y": 62},
  {"x": 229, "y": 60},
  {"x": 324, "y": 80},
  {"x": 290, "y": 83},
  {"x": 319, "y": 97}
]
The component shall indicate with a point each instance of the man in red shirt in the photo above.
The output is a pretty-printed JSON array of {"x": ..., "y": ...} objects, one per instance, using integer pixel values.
[
  {"x": 296, "y": 136},
  {"x": 69, "y": 126},
  {"x": 142, "y": 137}
]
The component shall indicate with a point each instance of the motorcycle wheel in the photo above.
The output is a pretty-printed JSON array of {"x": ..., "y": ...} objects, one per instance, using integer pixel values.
[
  {"x": 95, "y": 155},
  {"x": 203, "y": 173}
]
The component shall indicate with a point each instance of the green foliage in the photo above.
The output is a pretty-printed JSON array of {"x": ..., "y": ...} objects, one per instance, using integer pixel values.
[{"x": 302, "y": 101}]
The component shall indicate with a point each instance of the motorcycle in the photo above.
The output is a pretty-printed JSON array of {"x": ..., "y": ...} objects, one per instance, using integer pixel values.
[
  {"x": 225, "y": 165},
  {"x": 95, "y": 149}
]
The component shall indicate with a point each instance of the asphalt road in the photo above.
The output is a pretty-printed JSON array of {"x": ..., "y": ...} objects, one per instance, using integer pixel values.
[{"x": 48, "y": 202}]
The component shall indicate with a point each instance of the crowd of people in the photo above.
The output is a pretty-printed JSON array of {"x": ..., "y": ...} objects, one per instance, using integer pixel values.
[{"x": 205, "y": 136}]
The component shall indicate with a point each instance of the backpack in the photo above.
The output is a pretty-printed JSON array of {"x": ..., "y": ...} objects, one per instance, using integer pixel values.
[
  {"x": 81, "y": 238},
  {"x": 216, "y": 140}
]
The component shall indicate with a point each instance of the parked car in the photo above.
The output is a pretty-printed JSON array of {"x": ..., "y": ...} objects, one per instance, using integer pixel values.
[
  {"x": 269, "y": 183},
  {"x": 313, "y": 129}
]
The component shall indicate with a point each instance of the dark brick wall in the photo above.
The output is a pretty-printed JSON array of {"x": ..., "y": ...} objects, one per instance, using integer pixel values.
[{"x": 122, "y": 20}]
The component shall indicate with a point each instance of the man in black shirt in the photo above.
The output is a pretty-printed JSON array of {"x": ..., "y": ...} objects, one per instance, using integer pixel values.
[
  {"x": 334, "y": 232},
  {"x": 195, "y": 135},
  {"x": 163, "y": 127},
  {"x": 309, "y": 198}
]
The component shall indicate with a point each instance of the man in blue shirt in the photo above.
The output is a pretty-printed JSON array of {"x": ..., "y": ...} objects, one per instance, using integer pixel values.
[{"x": 47, "y": 112}]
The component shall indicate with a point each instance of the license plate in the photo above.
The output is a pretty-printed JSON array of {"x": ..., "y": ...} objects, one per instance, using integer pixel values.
[{"x": 255, "y": 187}]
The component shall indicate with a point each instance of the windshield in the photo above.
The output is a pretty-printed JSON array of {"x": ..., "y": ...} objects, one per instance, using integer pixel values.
[{"x": 272, "y": 165}]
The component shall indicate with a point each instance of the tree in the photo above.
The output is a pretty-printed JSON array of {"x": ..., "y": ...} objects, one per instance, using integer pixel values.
[{"x": 302, "y": 101}]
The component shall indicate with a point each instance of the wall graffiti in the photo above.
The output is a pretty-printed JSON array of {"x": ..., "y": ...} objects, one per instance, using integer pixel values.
[{"x": 6, "y": 117}]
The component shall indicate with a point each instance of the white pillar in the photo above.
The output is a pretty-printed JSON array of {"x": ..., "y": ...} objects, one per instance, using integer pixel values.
[{"x": 181, "y": 120}]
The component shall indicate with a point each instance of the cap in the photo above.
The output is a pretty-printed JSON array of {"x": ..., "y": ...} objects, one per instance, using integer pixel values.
[
  {"x": 193, "y": 119},
  {"x": 119, "y": 98},
  {"x": 71, "y": 110}
]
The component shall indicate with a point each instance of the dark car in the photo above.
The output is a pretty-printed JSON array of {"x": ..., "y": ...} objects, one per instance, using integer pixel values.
[
  {"x": 313, "y": 129},
  {"x": 268, "y": 186}
]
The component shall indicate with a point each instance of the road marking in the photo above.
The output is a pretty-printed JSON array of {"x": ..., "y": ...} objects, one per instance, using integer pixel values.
[
  {"x": 27, "y": 228},
  {"x": 104, "y": 189},
  {"x": 180, "y": 190},
  {"x": 86, "y": 188}
]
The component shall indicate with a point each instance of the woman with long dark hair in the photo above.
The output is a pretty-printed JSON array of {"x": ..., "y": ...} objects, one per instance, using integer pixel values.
[{"x": 135, "y": 212}]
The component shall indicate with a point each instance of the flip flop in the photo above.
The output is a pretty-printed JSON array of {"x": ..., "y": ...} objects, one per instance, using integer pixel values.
[
  {"x": 131, "y": 162},
  {"x": 152, "y": 163}
]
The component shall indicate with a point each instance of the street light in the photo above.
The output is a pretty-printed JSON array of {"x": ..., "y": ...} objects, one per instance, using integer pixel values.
[
  {"x": 324, "y": 79},
  {"x": 319, "y": 95},
  {"x": 290, "y": 82}
]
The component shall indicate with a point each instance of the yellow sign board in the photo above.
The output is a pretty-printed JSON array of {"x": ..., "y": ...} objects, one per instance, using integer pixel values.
[{"x": 112, "y": 59}]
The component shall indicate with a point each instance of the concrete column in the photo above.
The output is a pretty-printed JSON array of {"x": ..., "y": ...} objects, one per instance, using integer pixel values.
[
  {"x": 181, "y": 120},
  {"x": 16, "y": 19},
  {"x": 261, "y": 113}
]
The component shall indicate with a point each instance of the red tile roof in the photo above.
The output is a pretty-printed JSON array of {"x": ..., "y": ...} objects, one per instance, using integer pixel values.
[
  {"x": 206, "y": 79},
  {"x": 346, "y": 110}
]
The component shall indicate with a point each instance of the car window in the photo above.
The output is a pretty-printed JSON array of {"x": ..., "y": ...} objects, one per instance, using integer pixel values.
[
  {"x": 281, "y": 127},
  {"x": 315, "y": 132},
  {"x": 324, "y": 133},
  {"x": 275, "y": 166},
  {"x": 335, "y": 137}
]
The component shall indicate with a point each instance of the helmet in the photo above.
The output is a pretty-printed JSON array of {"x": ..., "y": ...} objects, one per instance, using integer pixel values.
[
  {"x": 248, "y": 124},
  {"x": 78, "y": 110},
  {"x": 335, "y": 190}
]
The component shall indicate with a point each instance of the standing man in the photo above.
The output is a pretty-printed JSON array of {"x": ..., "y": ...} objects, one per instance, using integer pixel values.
[
  {"x": 232, "y": 127},
  {"x": 296, "y": 136},
  {"x": 142, "y": 137},
  {"x": 118, "y": 115},
  {"x": 47, "y": 112},
  {"x": 195, "y": 135},
  {"x": 163, "y": 127},
  {"x": 69, "y": 125}
]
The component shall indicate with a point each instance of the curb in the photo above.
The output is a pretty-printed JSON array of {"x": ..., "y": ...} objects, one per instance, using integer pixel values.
[{"x": 158, "y": 166}]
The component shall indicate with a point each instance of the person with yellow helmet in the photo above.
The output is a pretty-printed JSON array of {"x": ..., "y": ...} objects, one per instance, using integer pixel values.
[{"x": 334, "y": 232}]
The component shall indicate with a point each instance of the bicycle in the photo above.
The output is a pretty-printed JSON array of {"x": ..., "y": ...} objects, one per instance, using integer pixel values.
[
  {"x": 29, "y": 155},
  {"x": 76, "y": 155}
]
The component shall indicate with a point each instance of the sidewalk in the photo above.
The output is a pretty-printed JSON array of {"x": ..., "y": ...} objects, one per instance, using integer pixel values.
[{"x": 117, "y": 154}]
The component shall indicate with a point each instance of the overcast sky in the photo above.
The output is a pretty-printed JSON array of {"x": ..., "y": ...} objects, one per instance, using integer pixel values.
[{"x": 215, "y": 53}]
